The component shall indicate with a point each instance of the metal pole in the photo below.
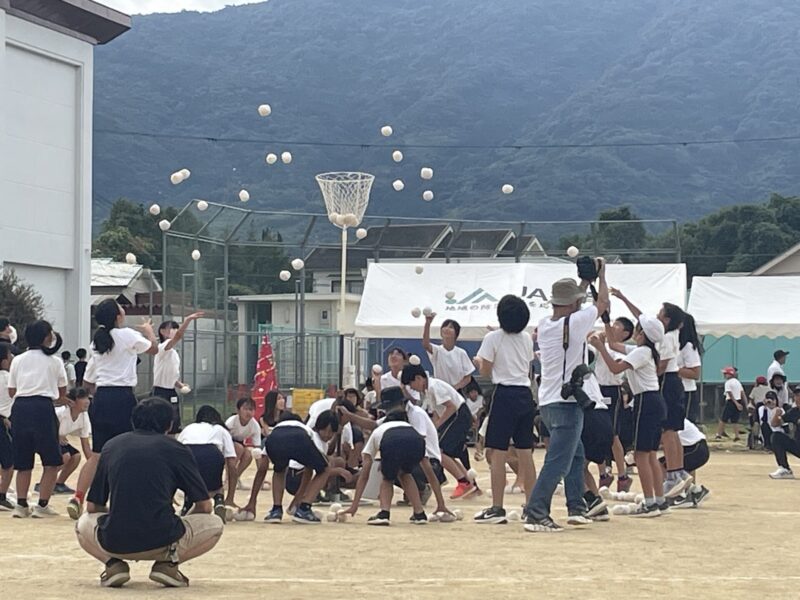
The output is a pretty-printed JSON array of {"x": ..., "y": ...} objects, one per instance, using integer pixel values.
[
  {"x": 296, "y": 331},
  {"x": 344, "y": 282},
  {"x": 216, "y": 330},
  {"x": 225, "y": 322},
  {"x": 302, "y": 364},
  {"x": 194, "y": 342}
]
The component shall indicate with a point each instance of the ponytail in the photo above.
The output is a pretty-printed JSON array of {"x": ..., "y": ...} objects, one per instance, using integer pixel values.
[
  {"x": 35, "y": 335},
  {"x": 106, "y": 316},
  {"x": 653, "y": 351}
]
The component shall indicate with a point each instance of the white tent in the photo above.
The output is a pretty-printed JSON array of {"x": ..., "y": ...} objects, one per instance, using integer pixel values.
[
  {"x": 746, "y": 306},
  {"x": 393, "y": 289}
]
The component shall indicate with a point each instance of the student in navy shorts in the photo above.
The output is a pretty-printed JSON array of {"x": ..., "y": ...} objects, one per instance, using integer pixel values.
[{"x": 6, "y": 451}]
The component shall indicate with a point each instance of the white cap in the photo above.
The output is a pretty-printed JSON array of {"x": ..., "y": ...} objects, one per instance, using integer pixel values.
[{"x": 652, "y": 327}]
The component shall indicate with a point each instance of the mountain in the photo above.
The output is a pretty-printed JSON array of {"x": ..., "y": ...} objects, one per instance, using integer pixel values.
[{"x": 456, "y": 72}]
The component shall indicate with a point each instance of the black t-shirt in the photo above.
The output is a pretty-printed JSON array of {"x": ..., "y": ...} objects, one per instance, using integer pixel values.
[
  {"x": 80, "y": 371},
  {"x": 140, "y": 471},
  {"x": 792, "y": 416}
]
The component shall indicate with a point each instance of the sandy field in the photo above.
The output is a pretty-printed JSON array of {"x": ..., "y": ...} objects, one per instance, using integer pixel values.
[{"x": 718, "y": 551}]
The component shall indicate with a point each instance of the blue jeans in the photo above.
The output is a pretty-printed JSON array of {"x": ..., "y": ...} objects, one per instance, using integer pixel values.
[{"x": 564, "y": 460}]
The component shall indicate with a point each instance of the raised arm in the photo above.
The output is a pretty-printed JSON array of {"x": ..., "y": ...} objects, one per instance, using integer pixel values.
[
  {"x": 631, "y": 307},
  {"x": 182, "y": 329},
  {"x": 602, "y": 303},
  {"x": 426, "y": 333},
  {"x": 615, "y": 366}
]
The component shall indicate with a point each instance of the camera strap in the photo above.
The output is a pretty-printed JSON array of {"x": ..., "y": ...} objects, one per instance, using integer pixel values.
[{"x": 565, "y": 345}]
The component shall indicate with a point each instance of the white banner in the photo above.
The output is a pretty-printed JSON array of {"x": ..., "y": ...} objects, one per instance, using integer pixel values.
[{"x": 393, "y": 289}]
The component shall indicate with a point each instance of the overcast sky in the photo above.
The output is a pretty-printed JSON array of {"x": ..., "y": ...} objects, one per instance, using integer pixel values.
[{"x": 138, "y": 7}]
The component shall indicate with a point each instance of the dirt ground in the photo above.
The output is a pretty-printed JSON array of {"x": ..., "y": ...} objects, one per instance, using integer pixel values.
[{"x": 718, "y": 551}]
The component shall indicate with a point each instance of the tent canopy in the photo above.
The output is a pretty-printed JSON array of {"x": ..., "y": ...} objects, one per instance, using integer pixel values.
[
  {"x": 393, "y": 289},
  {"x": 746, "y": 306}
]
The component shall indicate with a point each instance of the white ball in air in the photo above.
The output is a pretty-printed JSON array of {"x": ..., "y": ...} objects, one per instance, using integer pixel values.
[
  {"x": 418, "y": 269},
  {"x": 416, "y": 312},
  {"x": 130, "y": 258},
  {"x": 164, "y": 225},
  {"x": 398, "y": 185},
  {"x": 450, "y": 295},
  {"x": 286, "y": 157},
  {"x": 244, "y": 195},
  {"x": 155, "y": 210},
  {"x": 185, "y": 173},
  {"x": 572, "y": 251},
  {"x": 508, "y": 188},
  {"x": 285, "y": 275},
  {"x": 196, "y": 254},
  {"x": 271, "y": 158},
  {"x": 298, "y": 264},
  {"x": 397, "y": 156},
  {"x": 413, "y": 360},
  {"x": 176, "y": 178},
  {"x": 361, "y": 233},
  {"x": 377, "y": 369},
  {"x": 387, "y": 130},
  {"x": 265, "y": 110},
  {"x": 426, "y": 173},
  {"x": 185, "y": 389},
  {"x": 427, "y": 311},
  {"x": 427, "y": 195},
  {"x": 202, "y": 205}
]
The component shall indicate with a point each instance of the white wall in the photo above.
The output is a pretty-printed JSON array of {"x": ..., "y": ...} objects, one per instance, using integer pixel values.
[{"x": 45, "y": 171}]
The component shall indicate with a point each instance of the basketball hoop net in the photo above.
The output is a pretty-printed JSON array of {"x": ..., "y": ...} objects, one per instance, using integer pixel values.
[{"x": 346, "y": 196}]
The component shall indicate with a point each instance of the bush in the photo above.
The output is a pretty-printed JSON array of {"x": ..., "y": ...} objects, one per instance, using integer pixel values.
[{"x": 19, "y": 301}]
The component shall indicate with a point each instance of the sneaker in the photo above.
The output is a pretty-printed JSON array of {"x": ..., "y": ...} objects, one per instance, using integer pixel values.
[
  {"x": 683, "y": 501},
  {"x": 462, "y": 489},
  {"x": 546, "y": 525},
  {"x": 644, "y": 511},
  {"x": 676, "y": 486},
  {"x": 305, "y": 516},
  {"x": 606, "y": 479},
  {"x": 700, "y": 497},
  {"x": 44, "y": 512},
  {"x": 624, "y": 484},
  {"x": 74, "y": 509},
  {"x": 274, "y": 516},
  {"x": 116, "y": 575},
  {"x": 419, "y": 519},
  {"x": 602, "y": 516},
  {"x": 596, "y": 506},
  {"x": 381, "y": 519},
  {"x": 220, "y": 510},
  {"x": 342, "y": 498},
  {"x": 168, "y": 574},
  {"x": 21, "y": 512},
  {"x": 718, "y": 438},
  {"x": 578, "y": 518},
  {"x": 492, "y": 515},
  {"x": 663, "y": 508},
  {"x": 5, "y": 505},
  {"x": 782, "y": 473},
  {"x": 63, "y": 488}
]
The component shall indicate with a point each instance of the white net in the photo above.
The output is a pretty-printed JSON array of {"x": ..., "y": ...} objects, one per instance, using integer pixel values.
[{"x": 346, "y": 196}]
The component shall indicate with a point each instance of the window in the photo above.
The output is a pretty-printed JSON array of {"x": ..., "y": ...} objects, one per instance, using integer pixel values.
[{"x": 353, "y": 287}]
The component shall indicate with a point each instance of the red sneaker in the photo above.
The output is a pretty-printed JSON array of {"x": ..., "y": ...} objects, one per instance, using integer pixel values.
[
  {"x": 462, "y": 489},
  {"x": 606, "y": 479},
  {"x": 624, "y": 483}
]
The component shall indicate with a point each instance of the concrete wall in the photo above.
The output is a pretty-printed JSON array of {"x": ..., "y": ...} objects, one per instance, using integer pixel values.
[{"x": 46, "y": 168}]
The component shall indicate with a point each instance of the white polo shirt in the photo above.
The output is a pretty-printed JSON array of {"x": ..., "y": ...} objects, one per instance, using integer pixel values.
[
  {"x": 80, "y": 427},
  {"x": 642, "y": 376},
  {"x": 604, "y": 375},
  {"x": 117, "y": 367},
  {"x": 451, "y": 366},
  {"x": 6, "y": 401},
  {"x": 166, "y": 367},
  {"x": 34, "y": 373},
  {"x": 689, "y": 358},
  {"x": 668, "y": 350},
  {"x": 423, "y": 425},
  {"x": 439, "y": 393},
  {"x": 196, "y": 434},
  {"x": 511, "y": 355},
  {"x": 690, "y": 435},
  {"x": 241, "y": 433},
  {"x": 373, "y": 445}
]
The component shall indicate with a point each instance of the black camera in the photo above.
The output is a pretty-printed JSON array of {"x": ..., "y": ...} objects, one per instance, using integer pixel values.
[
  {"x": 574, "y": 388},
  {"x": 587, "y": 271}
]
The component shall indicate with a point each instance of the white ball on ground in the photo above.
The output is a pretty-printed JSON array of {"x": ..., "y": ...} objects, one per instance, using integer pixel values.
[
  {"x": 418, "y": 269},
  {"x": 397, "y": 156},
  {"x": 361, "y": 233},
  {"x": 336, "y": 507},
  {"x": 620, "y": 509},
  {"x": 196, "y": 254},
  {"x": 459, "y": 515},
  {"x": 286, "y": 157},
  {"x": 202, "y": 205},
  {"x": 185, "y": 389},
  {"x": 638, "y": 498},
  {"x": 244, "y": 515},
  {"x": 433, "y": 518},
  {"x": 507, "y": 188},
  {"x": 513, "y": 515},
  {"x": 185, "y": 173},
  {"x": 164, "y": 225},
  {"x": 176, "y": 178},
  {"x": 298, "y": 264},
  {"x": 426, "y": 173},
  {"x": 572, "y": 252},
  {"x": 445, "y": 517},
  {"x": 265, "y": 110},
  {"x": 244, "y": 195},
  {"x": 155, "y": 210},
  {"x": 605, "y": 493},
  {"x": 130, "y": 258},
  {"x": 472, "y": 475},
  {"x": 331, "y": 517},
  {"x": 413, "y": 360},
  {"x": 427, "y": 311},
  {"x": 416, "y": 312},
  {"x": 377, "y": 369},
  {"x": 427, "y": 195},
  {"x": 387, "y": 130},
  {"x": 271, "y": 158},
  {"x": 398, "y": 185},
  {"x": 450, "y": 295},
  {"x": 285, "y": 275},
  {"x": 342, "y": 516}
]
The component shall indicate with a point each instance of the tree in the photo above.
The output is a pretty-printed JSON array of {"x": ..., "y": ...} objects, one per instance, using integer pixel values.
[
  {"x": 19, "y": 301},
  {"x": 620, "y": 236}
]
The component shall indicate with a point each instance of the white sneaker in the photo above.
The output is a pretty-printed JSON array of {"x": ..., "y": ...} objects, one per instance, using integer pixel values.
[
  {"x": 782, "y": 473},
  {"x": 44, "y": 512},
  {"x": 21, "y": 512}
]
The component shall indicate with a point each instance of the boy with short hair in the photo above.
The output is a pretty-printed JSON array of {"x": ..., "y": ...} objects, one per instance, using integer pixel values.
[
  {"x": 80, "y": 366},
  {"x": 246, "y": 433},
  {"x": 735, "y": 400}
]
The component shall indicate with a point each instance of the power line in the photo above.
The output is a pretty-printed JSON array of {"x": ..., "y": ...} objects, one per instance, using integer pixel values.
[{"x": 240, "y": 140}]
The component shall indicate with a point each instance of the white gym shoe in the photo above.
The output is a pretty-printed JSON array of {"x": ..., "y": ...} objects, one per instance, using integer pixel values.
[
  {"x": 44, "y": 512},
  {"x": 21, "y": 512},
  {"x": 782, "y": 473}
]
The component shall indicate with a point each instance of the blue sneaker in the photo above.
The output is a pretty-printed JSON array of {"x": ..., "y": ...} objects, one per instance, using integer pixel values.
[
  {"x": 305, "y": 515},
  {"x": 274, "y": 516}
]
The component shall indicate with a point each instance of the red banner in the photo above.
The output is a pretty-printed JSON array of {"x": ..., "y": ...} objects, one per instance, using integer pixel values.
[{"x": 266, "y": 377}]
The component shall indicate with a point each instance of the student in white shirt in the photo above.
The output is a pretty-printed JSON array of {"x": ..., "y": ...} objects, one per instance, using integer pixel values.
[
  {"x": 689, "y": 365},
  {"x": 70, "y": 369},
  {"x": 73, "y": 420},
  {"x": 246, "y": 433},
  {"x": 6, "y": 449},
  {"x": 776, "y": 366},
  {"x": 765, "y": 415},
  {"x": 639, "y": 365},
  {"x": 450, "y": 363},
  {"x": 695, "y": 456},
  {"x": 36, "y": 380},
  {"x": 735, "y": 401},
  {"x": 211, "y": 444},
  {"x": 452, "y": 420},
  {"x": 112, "y": 374},
  {"x": 505, "y": 355},
  {"x": 167, "y": 366},
  {"x": 396, "y": 359}
]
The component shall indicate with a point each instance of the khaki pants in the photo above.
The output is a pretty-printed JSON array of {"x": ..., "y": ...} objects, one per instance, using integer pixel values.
[{"x": 202, "y": 534}]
